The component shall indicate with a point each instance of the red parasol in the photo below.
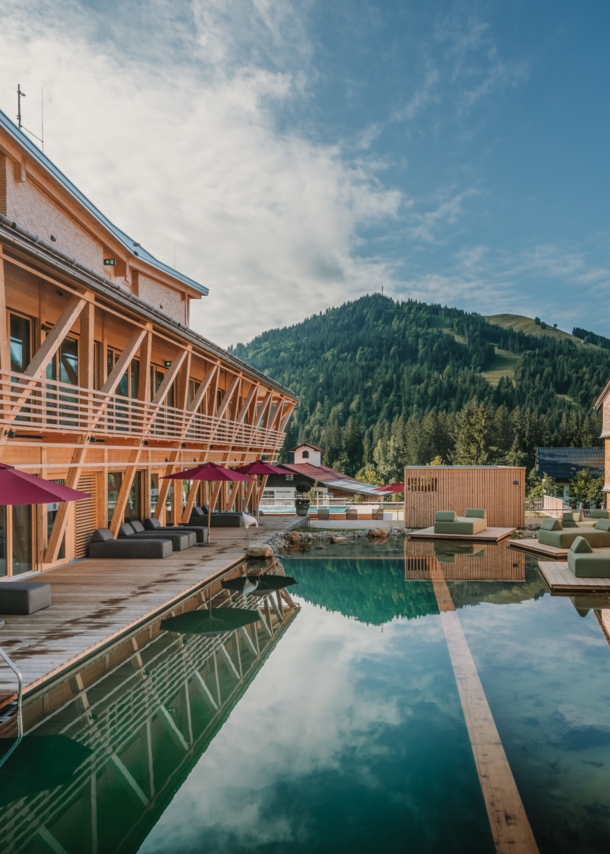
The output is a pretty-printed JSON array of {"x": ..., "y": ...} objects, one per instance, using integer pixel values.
[
  {"x": 392, "y": 487},
  {"x": 210, "y": 472},
  {"x": 262, "y": 468},
  {"x": 17, "y": 487}
]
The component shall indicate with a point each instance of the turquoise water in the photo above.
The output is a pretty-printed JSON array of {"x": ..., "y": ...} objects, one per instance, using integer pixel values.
[{"x": 343, "y": 731}]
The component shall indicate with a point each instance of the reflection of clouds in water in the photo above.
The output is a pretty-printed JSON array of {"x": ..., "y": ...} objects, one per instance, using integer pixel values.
[{"x": 301, "y": 716}]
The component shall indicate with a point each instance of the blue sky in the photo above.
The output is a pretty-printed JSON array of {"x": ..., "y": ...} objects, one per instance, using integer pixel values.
[{"x": 295, "y": 155}]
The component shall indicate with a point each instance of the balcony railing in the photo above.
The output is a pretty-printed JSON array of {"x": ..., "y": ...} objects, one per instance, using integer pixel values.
[{"x": 49, "y": 406}]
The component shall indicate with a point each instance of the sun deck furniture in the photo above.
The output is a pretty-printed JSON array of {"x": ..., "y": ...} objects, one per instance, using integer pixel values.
[
  {"x": 553, "y": 533},
  {"x": 323, "y": 513},
  {"x": 104, "y": 545},
  {"x": 180, "y": 541},
  {"x": 24, "y": 597},
  {"x": 219, "y": 519},
  {"x": 575, "y": 519},
  {"x": 448, "y": 522},
  {"x": 599, "y": 514},
  {"x": 585, "y": 562},
  {"x": 153, "y": 524}
]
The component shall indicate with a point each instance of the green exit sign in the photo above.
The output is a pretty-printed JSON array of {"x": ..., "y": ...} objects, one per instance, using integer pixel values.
[{"x": 109, "y": 262}]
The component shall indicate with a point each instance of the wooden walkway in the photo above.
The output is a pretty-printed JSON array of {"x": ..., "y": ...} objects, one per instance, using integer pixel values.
[
  {"x": 559, "y": 579},
  {"x": 509, "y": 823},
  {"x": 537, "y": 548},
  {"x": 95, "y": 601},
  {"x": 489, "y": 535}
]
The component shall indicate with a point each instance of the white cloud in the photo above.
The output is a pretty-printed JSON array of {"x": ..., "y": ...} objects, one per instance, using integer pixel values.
[{"x": 174, "y": 131}]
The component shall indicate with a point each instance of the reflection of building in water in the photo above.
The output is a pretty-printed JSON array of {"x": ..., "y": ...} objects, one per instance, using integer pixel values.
[
  {"x": 146, "y": 709},
  {"x": 462, "y": 561}
]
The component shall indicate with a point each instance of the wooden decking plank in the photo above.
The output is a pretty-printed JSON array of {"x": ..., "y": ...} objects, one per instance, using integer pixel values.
[
  {"x": 559, "y": 579},
  {"x": 489, "y": 535},
  {"x": 509, "y": 823},
  {"x": 95, "y": 601}
]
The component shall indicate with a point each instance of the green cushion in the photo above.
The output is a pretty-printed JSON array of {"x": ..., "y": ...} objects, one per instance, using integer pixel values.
[
  {"x": 476, "y": 513},
  {"x": 580, "y": 546},
  {"x": 594, "y": 565},
  {"x": 571, "y": 518},
  {"x": 551, "y": 525},
  {"x": 445, "y": 516},
  {"x": 603, "y": 525},
  {"x": 598, "y": 514}
]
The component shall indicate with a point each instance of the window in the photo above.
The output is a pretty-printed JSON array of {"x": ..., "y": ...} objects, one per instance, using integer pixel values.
[
  {"x": 51, "y": 516},
  {"x": 63, "y": 368},
  {"x": 305, "y": 455},
  {"x": 22, "y": 538},
  {"x": 20, "y": 343},
  {"x": 421, "y": 484},
  {"x": 115, "y": 479},
  {"x": 289, "y": 477},
  {"x": 133, "y": 506}
]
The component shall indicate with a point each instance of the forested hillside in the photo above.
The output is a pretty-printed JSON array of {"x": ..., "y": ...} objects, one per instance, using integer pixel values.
[{"x": 385, "y": 383}]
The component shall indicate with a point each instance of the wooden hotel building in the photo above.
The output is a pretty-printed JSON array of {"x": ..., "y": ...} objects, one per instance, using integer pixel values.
[{"x": 103, "y": 385}]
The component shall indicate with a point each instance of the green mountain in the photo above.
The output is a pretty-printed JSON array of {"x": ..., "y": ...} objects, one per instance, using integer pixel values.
[{"x": 385, "y": 383}]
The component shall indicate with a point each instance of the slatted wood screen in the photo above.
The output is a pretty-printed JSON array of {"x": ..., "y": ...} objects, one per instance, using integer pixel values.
[
  {"x": 500, "y": 490},
  {"x": 86, "y": 521}
]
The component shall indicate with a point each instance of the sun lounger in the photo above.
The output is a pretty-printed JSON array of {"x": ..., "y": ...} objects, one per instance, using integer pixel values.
[
  {"x": 153, "y": 524},
  {"x": 553, "y": 533},
  {"x": 221, "y": 519},
  {"x": 575, "y": 519},
  {"x": 179, "y": 540},
  {"x": 104, "y": 545},
  {"x": 448, "y": 522},
  {"x": 584, "y": 562}
]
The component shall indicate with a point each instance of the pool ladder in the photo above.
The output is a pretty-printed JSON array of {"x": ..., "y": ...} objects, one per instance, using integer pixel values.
[{"x": 17, "y": 673}]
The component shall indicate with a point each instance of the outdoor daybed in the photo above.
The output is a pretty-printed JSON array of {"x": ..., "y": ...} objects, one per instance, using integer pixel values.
[
  {"x": 553, "y": 533},
  {"x": 448, "y": 522},
  {"x": 575, "y": 519},
  {"x": 584, "y": 562},
  {"x": 220, "y": 519},
  {"x": 103, "y": 544},
  {"x": 179, "y": 540},
  {"x": 153, "y": 524}
]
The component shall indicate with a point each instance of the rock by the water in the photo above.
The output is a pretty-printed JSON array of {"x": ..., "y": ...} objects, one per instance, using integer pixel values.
[
  {"x": 337, "y": 538},
  {"x": 259, "y": 551},
  {"x": 378, "y": 534},
  {"x": 292, "y": 537}
]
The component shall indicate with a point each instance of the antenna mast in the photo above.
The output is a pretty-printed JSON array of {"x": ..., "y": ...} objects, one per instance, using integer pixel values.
[{"x": 20, "y": 95}]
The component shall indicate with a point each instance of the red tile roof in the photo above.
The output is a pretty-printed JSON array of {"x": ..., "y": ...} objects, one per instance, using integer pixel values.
[{"x": 323, "y": 474}]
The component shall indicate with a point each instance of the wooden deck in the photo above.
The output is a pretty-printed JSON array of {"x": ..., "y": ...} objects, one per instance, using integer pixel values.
[
  {"x": 537, "y": 548},
  {"x": 489, "y": 535},
  {"x": 96, "y": 601},
  {"x": 559, "y": 579}
]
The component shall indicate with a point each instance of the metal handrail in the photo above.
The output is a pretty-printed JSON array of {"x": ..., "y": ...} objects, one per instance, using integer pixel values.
[{"x": 17, "y": 673}]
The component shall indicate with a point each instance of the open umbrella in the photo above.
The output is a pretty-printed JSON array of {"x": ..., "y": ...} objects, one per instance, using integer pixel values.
[
  {"x": 210, "y": 621},
  {"x": 260, "y": 467},
  {"x": 392, "y": 487},
  {"x": 42, "y": 763},
  {"x": 17, "y": 487},
  {"x": 258, "y": 584},
  {"x": 212, "y": 473}
]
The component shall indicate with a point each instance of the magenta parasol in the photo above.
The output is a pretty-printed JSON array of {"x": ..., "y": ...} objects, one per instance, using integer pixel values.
[{"x": 17, "y": 487}]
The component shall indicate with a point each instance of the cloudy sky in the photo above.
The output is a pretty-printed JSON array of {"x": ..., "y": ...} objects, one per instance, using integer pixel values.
[{"x": 297, "y": 154}]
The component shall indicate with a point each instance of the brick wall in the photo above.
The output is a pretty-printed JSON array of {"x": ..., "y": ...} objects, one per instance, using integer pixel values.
[{"x": 167, "y": 299}]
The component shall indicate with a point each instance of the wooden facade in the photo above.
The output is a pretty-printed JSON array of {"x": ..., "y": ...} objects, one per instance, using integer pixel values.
[
  {"x": 425, "y": 560},
  {"x": 498, "y": 489},
  {"x": 603, "y": 404},
  {"x": 103, "y": 386}
]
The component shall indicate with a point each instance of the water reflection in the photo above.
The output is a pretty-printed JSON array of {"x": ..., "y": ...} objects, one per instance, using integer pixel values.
[{"x": 106, "y": 749}]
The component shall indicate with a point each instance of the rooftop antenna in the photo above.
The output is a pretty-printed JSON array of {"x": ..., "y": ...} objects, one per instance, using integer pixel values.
[
  {"x": 20, "y": 95},
  {"x": 20, "y": 125}
]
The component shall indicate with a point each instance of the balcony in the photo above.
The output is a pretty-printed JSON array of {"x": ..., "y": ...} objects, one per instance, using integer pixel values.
[{"x": 47, "y": 406}]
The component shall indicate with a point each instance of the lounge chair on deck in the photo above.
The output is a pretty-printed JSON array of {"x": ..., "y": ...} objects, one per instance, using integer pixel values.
[
  {"x": 220, "y": 519},
  {"x": 104, "y": 545},
  {"x": 584, "y": 562},
  {"x": 153, "y": 524},
  {"x": 448, "y": 522},
  {"x": 553, "y": 533},
  {"x": 179, "y": 540},
  {"x": 575, "y": 519}
]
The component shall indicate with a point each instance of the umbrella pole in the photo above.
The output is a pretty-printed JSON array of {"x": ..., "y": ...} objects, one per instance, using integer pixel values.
[{"x": 209, "y": 516}]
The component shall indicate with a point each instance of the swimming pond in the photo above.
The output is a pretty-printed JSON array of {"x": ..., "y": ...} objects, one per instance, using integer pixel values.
[{"x": 341, "y": 725}]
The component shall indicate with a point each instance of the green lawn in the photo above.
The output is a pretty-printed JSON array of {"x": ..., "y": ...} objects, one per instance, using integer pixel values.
[{"x": 504, "y": 365}]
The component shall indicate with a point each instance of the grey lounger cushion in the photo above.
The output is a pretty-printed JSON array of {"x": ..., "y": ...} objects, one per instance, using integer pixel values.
[
  {"x": 180, "y": 540},
  {"x": 583, "y": 562},
  {"x": 103, "y": 545},
  {"x": 153, "y": 524},
  {"x": 24, "y": 597}
]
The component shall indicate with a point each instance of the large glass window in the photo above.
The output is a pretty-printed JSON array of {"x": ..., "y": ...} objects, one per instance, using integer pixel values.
[
  {"x": 115, "y": 479},
  {"x": 22, "y": 538},
  {"x": 154, "y": 491},
  {"x": 3, "y": 567},
  {"x": 20, "y": 343},
  {"x": 133, "y": 506}
]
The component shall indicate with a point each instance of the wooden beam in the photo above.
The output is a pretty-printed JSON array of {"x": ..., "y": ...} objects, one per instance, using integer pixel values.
[
  {"x": 86, "y": 360},
  {"x": 263, "y": 409},
  {"x": 226, "y": 400},
  {"x": 251, "y": 395},
  {"x": 5, "y": 352},
  {"x": 145, "y": 362},
  {"x": 54, "y": 339}
]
